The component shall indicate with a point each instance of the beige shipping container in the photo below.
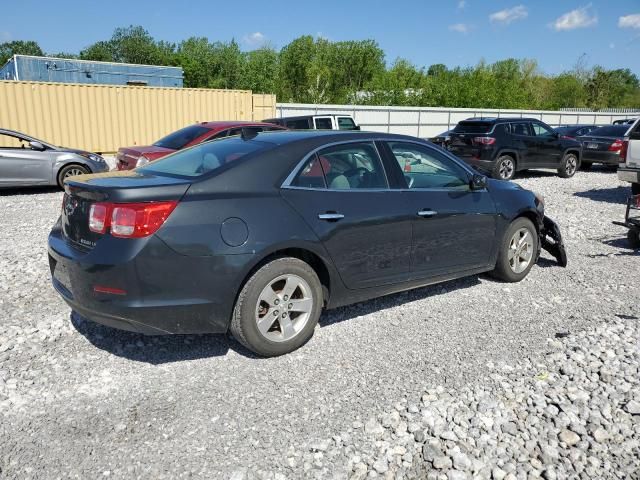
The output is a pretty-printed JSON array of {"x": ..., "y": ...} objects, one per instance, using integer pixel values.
[{"x": 102, "y": 118}]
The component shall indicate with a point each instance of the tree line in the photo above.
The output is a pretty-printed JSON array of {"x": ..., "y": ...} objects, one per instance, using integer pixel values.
[{"x": 317, "y": 70}]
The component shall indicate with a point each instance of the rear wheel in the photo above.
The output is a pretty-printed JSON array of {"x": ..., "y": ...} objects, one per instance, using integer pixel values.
[
  {"x": 70, "y": 171},
  {"x": 568, "y": 166},
  {"x": 504, "y": 168},
  {"x": 635, "y": 188},
  {"x": 278, "y": 307},
  {"x": 518, "y": 251}
]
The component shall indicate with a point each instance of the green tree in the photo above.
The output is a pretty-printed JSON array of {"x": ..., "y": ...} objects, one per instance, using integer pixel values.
[{"x": 19, "y": 47}]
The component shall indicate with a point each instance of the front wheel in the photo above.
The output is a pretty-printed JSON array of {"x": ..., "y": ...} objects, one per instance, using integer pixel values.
[
  {"x": 70, "y": 171},
  {"x": 568, "y": 166},
  {"x": 518, "y": 251},
  {"x": 278, "y": 308}
]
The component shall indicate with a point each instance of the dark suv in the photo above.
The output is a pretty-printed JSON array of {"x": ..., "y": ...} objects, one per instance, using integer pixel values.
[{"x": 503, "y": 146}]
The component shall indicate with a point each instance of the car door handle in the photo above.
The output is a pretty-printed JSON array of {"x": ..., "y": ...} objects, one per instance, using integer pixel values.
[
  {"x": 331, "y": 216},
  {"x": 427, "y": 213}
]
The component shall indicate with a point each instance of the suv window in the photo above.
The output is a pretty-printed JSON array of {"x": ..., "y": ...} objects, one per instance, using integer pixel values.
[
  {"x": 520, "y": 128},
  {"x": 540, "y": 130},
  {"x": 473, "y": 127},
  {"x": 427, "y": 168},
  {"x": 352, "y": 166},
  {"x": 346, "y": 123},
  {"x": 323, "y": 123}
]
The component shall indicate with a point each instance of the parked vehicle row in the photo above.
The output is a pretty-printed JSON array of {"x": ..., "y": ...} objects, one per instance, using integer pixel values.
[{"x": 629, "y": 170}]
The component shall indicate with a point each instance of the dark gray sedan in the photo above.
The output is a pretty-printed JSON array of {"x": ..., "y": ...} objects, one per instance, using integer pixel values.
[{"x": 27, "y": 161}]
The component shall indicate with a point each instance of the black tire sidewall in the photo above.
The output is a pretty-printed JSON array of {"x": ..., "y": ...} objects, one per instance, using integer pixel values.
[
  {"x": 635, "y": 188},
  {"x": 503, "y": 270},
  {"x": 633, "y": 238},
  {"x": 248, "y": 299}
]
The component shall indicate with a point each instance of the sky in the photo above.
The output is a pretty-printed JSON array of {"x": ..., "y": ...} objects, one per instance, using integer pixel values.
[{"x": 556, "y": 33}]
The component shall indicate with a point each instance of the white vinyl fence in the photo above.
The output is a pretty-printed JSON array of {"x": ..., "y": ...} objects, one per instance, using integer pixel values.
[{"x": 426, "y": 122}]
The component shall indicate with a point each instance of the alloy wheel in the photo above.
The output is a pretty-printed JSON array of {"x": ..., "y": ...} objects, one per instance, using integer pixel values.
[
  {"x": 571, "y": 165},
  {"x": 520, "y": 250},
  {"x": 73, "y": 172},
  {"x": 284, "y": 308},
  {"x": 506, "y": 168}
]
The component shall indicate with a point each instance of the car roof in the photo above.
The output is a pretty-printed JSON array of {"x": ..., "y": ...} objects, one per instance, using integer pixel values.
[
  {"x": 218, "y": 125},
  {"x": 320, "y": 137}
]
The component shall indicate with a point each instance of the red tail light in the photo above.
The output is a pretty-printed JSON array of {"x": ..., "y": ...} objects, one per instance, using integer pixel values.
[
  {"x": 623, "y": 150},
  {"x": 129, "y": 220},
  {"x": 616, "y": 146},
  {"x": 484, "y": 140}
]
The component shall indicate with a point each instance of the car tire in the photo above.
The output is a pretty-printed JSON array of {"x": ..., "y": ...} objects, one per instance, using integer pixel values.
[
  {"x": 635, "y": 189},
  {"x": 511, "y": 265},
  {"x": 70, "y": 171},
  {"x": 263, "y": 306},
  {"x": 569, "y": 166},
  {"x": 586, "y": 165},
  {"x": 504, "y": 168},
  {"x": 633, "y": 237}
]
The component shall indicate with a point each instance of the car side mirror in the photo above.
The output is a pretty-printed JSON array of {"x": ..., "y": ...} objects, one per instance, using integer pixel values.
[
  {"x": 478, "y": 182},
  {"x": 36, "y": 146}
]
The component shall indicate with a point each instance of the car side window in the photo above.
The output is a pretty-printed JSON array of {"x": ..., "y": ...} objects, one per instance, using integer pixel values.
[
  {"x": 540, "y": 130},
  {"x": 12, "y": 143},
  {"x": 215, "y": 136},
  {"x": 346, "y": 123},
  {"x": 301, "y": 124},
  {"x": 424, "y": 167},
  {"x": 352, "y": 166},
  {"x": 311, "y": 175}
]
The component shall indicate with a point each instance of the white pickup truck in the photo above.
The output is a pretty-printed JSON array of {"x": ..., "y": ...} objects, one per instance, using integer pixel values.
[{"x": 629, "y": 171}]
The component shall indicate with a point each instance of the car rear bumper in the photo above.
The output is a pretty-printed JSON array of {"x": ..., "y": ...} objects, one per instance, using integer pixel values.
[
  {"x": 627, "y": 174},
  {"x": 164, "y": 292},
  {"x": 608, "y": 158}
]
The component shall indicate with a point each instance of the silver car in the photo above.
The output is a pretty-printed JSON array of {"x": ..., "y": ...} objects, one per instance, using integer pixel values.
[{"x": 25, "y": 161}]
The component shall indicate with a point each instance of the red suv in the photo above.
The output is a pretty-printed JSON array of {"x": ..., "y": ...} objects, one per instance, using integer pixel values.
[{"x": 131, "y": 157}]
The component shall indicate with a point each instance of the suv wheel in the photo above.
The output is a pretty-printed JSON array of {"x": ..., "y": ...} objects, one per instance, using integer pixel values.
[
  {"x": 518, "y": 251},
  {"x": 505, "y": 168},
  {"x": 568, "y": 166},
  {"x": 278, "y": 307}
]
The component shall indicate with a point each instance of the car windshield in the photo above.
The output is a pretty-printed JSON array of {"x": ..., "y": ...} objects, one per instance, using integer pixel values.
[
  {"x": 182, "y": 137},
  {"x": 610, "y": 131},
  {"x": 206, "y": 157}
]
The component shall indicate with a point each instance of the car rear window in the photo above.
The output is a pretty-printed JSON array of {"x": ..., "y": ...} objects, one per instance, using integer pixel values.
[
  {"x": 206, "y": 157},
  {"x": 182, "y": 137},
  {"x": 473, "y": 127},
  {"x": 610, "y": 131}
]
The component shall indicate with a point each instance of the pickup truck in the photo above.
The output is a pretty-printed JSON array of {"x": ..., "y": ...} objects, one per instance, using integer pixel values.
[
  {"x": 316, "y": 122},
  {"x": 629, "y": 171}
]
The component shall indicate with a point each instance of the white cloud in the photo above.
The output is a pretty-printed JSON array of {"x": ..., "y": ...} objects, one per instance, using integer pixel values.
[
  {"x": 254, "y": 39},
  {"x": 629, "y": 21},
  {"x": 461, "y": 4},
  {"x": 578, "y": 18},
  {"x": 460, "y": 27},
  {"x": 509, "y": 15}
]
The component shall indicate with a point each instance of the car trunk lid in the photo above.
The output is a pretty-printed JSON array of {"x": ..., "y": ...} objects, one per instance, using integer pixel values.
[{"x": 118, "y": 187}]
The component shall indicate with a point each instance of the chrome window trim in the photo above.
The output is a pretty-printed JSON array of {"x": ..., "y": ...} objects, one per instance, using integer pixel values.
[{"x": 294, "y": 173}]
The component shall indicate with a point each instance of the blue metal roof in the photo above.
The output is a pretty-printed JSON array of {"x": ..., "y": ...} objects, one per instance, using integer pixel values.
[{"x": 50, "y": 69}]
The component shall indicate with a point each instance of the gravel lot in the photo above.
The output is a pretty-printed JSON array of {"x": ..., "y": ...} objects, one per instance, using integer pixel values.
[{"x": 84, "y": 401}]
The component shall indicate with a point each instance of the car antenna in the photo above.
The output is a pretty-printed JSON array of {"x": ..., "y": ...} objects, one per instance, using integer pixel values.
[{"x": 248, "y": 133}]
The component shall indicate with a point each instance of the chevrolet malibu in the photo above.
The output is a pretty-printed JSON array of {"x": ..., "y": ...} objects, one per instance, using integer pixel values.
[{"x": 257, "y": 233}]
